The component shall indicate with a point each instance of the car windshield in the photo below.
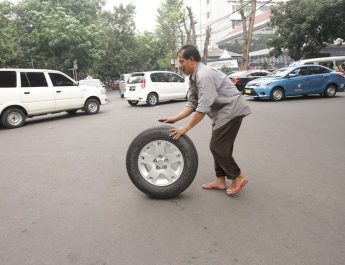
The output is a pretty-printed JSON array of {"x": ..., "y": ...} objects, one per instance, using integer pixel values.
[
  {"x": 134, "y": 79},
  {"x": 282, "y": 72}
]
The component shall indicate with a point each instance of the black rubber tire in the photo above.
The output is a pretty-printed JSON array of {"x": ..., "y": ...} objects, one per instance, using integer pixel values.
[
  {"x": 280, "y": 93},
  {"x": 184, "y": 145},
  {"x": 13, "y": 111},
  {"x": 152, "y": 99},
  {"x": 91, "y": 106},
  {"x": 330, "y": 91},
  {"x": 133, "y": 102},
  {"x": 71, "y": 112}
]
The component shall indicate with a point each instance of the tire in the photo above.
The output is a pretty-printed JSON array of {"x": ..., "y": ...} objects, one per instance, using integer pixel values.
[
  {"x": 71, "y": 112},
  {"x": 152, "y": 99},
  {"x": 148, "y": 164},
  {"x": 277, "y": 94},
  {"x": 133, "y": 102},
  {"x": 91, "y": 106},
  {"x": 13, "y": 118},
  {"x": 330, "y": 91}
]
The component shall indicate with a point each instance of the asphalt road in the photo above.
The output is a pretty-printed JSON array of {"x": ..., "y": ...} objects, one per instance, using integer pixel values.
[{"x": 65, "y": 196}]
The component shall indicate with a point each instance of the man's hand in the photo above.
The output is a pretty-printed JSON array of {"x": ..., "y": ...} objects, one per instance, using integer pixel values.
[
  {"x": 168, "y": 120},
  {"x": 178, "y": 132}
]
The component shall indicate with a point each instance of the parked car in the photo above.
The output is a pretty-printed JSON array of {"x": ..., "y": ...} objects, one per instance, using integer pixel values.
[
  {"x": 295, "y": 81},
  {"x": 153, "y": 87},
  {"x": 92, "y": 82},
  {"x": 123, "y": 83},
  {"x": 25, "y": 93},
  {"x": 241, "y": 78}
]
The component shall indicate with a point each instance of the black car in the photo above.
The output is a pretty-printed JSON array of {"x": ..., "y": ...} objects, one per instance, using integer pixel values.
[{"x": 241, "y": 78}]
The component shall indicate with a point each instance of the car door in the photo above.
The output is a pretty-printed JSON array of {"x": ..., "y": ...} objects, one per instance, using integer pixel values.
[
  {"x": 37, "y": 95},
  {"x": 177, "y": 86},
  {"x": 67, "y": 93},
  {"x": 160, "y": 85},
  {"x": 295, "y": 81},
  {"x": 318, "y": 80}
]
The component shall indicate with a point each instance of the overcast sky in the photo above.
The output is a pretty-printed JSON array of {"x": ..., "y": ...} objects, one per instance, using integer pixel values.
[{"x": 146, "y": 11}]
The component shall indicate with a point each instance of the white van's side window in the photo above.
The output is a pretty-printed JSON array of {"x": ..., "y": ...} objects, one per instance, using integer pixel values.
[
  {"x": 8, "y": 79},
  {"x": 60, "y": 80},
  {"x": 33, "y": 80}
]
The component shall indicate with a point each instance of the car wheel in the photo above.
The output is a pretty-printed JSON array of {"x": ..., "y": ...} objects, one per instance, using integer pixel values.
[
  {"x": 330, "y": 91},
  {"x": 277, "y": 94},
  {"x": 159, "y": 166},
  {"x": 133, "y": 102},
  {"x": 152, "y": 99},
  {"x": 91, "y": 106},
  {"x": 71, "y": 112},
  {"x": 13, "y": 118}
]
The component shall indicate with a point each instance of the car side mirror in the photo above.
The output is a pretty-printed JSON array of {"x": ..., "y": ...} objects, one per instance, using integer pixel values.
[
  {"x": 76, "y": 83},
  {"x": 291, "y": 75}
]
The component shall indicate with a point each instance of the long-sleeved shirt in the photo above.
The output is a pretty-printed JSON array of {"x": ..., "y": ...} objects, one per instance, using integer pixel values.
[{"x": 211, "y": 92}]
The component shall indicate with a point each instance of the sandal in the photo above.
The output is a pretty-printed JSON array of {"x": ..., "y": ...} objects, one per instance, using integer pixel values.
[{"x": 237, "y": 188}]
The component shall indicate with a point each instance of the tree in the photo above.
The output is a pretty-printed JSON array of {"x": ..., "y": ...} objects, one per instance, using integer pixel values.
[
  {"x": 54, "y": 33},
  {"x": 168, "y": 18},
  {"x": 189, "y": 28},
  {"x": 206, "y": 43},
  {"x": 8, "y": 45},
  {"x": 248, "y": 25},
  {"x": 304, "y": 27},
  {"x": 119, "y": 42}
]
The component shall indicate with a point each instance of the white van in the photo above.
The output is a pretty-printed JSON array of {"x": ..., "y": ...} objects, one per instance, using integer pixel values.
[
  {"x": 155, "y": 86},
  {"x": 335, "y": 62},
  {"x": 30, "y": 92}
]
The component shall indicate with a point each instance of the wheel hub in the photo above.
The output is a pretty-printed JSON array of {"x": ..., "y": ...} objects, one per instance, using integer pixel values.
[{"x": 160, "y": 163}]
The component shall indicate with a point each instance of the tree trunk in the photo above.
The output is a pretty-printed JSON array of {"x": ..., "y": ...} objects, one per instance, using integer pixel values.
[
  {"x": 247, "y": 32},
  {"x": 207, "y": 42},
  {"x": 192, "y": 23}
]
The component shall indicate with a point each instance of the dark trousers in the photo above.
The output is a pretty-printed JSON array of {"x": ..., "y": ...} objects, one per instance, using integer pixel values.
[{"x": 222, "y": 145}]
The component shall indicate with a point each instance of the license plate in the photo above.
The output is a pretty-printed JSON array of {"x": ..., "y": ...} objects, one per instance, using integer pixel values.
[{"x": 247, "y": 91}]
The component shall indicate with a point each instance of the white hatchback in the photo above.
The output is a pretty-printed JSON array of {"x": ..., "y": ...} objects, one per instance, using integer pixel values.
[
  {"x": 31, "y": 92},
  {"x": 153, "y": 87}
]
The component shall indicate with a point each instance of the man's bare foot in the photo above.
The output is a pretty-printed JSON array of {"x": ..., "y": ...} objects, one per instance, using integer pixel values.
[{"x": 218, "y": 184}]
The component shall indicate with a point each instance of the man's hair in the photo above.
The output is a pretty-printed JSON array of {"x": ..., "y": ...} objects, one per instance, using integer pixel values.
[{"x": 188, "y": 51}]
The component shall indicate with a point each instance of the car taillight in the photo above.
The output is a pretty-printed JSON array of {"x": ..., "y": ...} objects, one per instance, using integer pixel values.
[
  {"x": 235, "y": 79},
  {"x": 143, "y": 83}
]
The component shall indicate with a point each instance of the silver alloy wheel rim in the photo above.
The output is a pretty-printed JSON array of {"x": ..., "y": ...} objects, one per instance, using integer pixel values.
[
  {"x": 153, "y": 99},
  {"x": 160, "y": 163},
  {"x": 92, "y": 107},
  {"x": 14, "y": 118},
  {"x": 277, "y": 94},
  {"x": 331, "y": 91}
]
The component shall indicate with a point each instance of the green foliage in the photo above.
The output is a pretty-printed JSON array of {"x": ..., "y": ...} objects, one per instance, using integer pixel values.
[
  {"x": 304, "y": 27},
  {"x": 226, "y": 69},
  {"x": 169, "y": 17},
  {"x": 54, "y": 33}
]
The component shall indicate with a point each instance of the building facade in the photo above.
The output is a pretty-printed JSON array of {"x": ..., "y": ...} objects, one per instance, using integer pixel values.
[{"x": 223, "y": 17}]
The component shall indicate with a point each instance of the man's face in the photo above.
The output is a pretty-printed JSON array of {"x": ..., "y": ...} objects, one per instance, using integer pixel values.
[{"x": 186, "y": 65}]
